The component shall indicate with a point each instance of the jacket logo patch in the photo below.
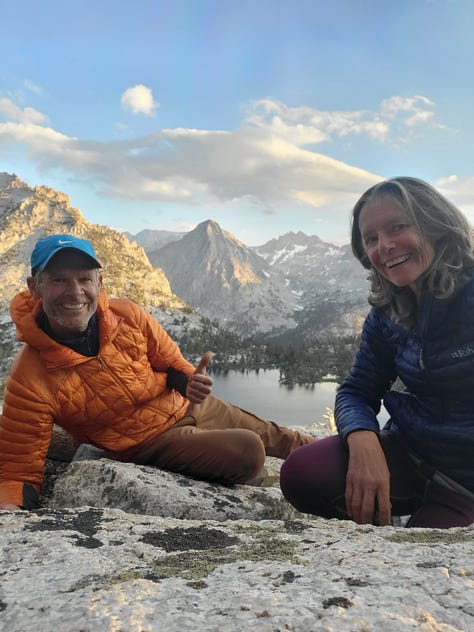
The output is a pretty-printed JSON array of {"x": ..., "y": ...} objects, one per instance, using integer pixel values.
[{"x": 463, "y": 353}]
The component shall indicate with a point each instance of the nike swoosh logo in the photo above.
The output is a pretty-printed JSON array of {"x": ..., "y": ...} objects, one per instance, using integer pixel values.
[{"x": 64, "y": 242}]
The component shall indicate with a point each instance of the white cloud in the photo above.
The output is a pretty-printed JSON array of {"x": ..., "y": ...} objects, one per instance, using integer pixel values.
[
  {"x": 419, "y": 118},
  {"x": 394, "y": 105},
  {"x": 269, "y": 162},
  {"x": 32, "y": 87},
  {"x": 460, "y": 191},
  {"x": 25, "y": 115},
  {"x": 410, "y": 113},
  {"x": 196, "y": 167},
  {"x": 305, "y": 126},
  {"x": 31, "y": 134},
  {"x": 446, "y": 180},
  {"x": 139, "y": 100}
]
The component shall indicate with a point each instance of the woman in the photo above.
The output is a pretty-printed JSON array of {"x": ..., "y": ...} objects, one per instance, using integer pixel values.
[{"x": 419, "y": 249}]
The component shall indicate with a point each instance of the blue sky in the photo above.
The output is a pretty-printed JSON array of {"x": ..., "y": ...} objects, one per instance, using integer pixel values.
[{"x": 264, "y": 115}]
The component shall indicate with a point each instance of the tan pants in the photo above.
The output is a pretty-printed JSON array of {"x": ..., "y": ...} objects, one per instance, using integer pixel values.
[{"x": 217, "y": 441}]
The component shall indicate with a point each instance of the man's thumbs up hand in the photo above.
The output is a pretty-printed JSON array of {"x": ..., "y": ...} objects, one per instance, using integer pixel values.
[
  {"x": 206, "y": 358},
  {"x": 200, "y": 384}
]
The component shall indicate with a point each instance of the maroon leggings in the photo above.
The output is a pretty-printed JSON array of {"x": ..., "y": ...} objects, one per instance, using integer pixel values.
[{"x": 313, "y": 479}]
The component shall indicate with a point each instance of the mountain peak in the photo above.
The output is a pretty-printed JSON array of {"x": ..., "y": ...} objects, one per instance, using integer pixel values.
[
  {"x": 213, "y": 230},
  {"x": 9, "y": 180},
  {"x": 210, "y": 268},
  {"x": 210, "y": 224},
  {"x": 208, "y": 227}
]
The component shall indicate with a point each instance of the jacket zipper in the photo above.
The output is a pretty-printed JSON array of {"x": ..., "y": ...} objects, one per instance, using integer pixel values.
[
  {"x": 426, "y": 303},
  {"x": 420, "y": 358},
  {"x": 106, "y": 368}
]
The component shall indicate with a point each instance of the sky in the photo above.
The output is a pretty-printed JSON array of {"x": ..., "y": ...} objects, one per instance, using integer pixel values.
[{"x": 266, "y": 116}]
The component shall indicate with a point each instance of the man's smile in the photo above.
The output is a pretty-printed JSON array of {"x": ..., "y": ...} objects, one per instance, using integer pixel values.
[{"x": 74, "y": 307}]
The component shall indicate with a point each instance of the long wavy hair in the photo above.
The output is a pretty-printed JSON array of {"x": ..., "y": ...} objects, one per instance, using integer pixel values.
[{"x": 439, "y": 222}]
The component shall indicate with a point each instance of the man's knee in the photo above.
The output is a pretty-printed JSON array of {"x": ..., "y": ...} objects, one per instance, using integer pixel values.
[
  {"x": 228, "y": 456},
  {"x": 247, "y": 455}
]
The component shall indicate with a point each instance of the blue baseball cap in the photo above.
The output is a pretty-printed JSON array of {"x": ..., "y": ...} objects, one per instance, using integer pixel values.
[{"x": 47, "y": 247}]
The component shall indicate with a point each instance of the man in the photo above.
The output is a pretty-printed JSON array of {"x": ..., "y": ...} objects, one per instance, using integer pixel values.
[{"x": 110, "y": 375}]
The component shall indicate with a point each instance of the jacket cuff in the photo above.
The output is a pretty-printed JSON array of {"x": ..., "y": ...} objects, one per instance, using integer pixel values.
[
  {"x": 347, "y": 429},
  {"x": 177, "y": 380}
]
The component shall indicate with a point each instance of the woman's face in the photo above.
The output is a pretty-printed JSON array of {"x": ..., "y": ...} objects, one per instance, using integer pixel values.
[{"x": 393, "y": 244}]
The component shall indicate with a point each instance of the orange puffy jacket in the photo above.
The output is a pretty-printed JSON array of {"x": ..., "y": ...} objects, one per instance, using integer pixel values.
[{"x": 114, "y": 400}]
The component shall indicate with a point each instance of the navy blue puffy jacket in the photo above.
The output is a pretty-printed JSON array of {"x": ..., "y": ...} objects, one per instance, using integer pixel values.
[{"x": 434, "y": 416}]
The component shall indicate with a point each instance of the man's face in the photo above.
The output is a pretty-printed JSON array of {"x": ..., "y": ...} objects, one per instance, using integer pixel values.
[{"x": 69, "y": 289}]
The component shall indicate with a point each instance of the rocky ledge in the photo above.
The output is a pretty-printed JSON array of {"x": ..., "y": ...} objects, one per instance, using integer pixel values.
[{"x": 125, "y": 548}]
